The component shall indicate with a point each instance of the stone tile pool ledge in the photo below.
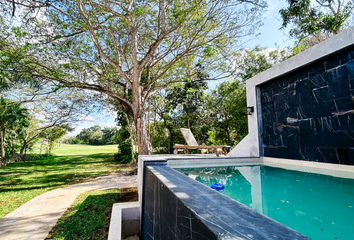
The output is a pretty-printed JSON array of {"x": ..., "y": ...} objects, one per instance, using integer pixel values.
[{"x": 175, "y": 206}]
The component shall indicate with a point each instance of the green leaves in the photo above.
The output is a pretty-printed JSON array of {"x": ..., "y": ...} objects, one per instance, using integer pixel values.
[
  {"x": 57, "y": 37},
  {"x": 210, "y": 51},
  {"x": 312, "y": 17},
  {"x": 18, "y": 32}
]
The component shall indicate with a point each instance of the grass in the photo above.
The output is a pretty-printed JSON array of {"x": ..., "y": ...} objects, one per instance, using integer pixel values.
[
  {"x": 80, "y": 149},
  {"x": 89, "y": 215},
  {"x": 21, "y": 181}
]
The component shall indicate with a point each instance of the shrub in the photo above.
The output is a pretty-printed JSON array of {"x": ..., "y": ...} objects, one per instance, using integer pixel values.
[{"x": 124, "y": 154}]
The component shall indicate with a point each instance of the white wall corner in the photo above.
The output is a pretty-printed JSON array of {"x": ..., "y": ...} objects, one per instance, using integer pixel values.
[{"x": 242, "y": 149}]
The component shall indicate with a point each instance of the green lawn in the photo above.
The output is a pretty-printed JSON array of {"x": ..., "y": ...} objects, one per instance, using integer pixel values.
[
  {"x": 89, "y": 215},
  {"x": 21, "y": 181},
  {"x": 80, "y": 149}
]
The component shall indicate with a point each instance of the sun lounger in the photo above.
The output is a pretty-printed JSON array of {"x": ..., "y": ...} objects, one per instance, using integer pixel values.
[{"x": 192, "y": 143}]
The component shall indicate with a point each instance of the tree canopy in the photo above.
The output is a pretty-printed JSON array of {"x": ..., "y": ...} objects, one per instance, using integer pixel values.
[
  {"x": 315, "y": 18},
  {"x": 127, "y": 50}
]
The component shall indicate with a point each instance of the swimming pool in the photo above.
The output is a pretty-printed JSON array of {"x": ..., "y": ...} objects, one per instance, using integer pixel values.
[{"x": 316, "y": 205}]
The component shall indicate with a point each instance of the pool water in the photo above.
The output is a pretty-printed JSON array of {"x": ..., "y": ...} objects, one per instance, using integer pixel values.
[{"x": 318, "y": 206}]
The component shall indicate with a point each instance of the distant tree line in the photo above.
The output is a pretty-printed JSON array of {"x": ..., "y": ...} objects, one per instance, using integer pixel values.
[{"x": 96, "y": 135}]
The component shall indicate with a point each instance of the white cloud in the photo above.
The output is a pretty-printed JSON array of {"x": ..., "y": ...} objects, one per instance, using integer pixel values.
[
  {"x": 104, "y": 124},
  {"x": 87, "y": 118}
]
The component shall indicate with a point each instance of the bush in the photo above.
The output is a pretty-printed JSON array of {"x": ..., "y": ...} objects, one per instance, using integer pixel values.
[{"x": 124, "y": 154}]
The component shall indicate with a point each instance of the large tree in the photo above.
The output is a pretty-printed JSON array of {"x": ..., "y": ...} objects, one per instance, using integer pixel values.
[
  {"x": 319, "y": 19},
  {"x": 125, "y": 49}
]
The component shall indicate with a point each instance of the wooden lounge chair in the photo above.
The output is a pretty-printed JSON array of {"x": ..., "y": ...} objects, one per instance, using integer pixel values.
[{"x": 192, "y": 143}]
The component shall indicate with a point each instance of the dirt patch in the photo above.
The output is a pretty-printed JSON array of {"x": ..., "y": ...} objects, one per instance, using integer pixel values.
[
  {"x": 131, "y": 172},
  {"x": 125, "y": 190},
  {"x": 130, "y": 197}
]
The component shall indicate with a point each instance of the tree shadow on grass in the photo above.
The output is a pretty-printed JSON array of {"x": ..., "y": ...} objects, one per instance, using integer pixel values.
[
  {"x": 54, "y": 171},
  {"x": 91, "y": 218}
]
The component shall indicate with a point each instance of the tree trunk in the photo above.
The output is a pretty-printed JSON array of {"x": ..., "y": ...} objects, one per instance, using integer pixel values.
[
  {"x": 23, "y": 147},
  {"x": 2, "y": 136},
  {"x": 50, "y": 147},
  {"x": 131, "y": 138},
  {"x": 152, "y": 135},
  {"x": 144, "y": 143},
  {"x": 40, "y": 150}
]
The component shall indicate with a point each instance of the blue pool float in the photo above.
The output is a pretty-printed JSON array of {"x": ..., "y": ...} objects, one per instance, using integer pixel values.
[{"x": 217, "y": 186}]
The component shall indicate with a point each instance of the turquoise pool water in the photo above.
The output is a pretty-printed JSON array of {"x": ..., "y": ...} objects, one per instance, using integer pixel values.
[{"x": 318, "y": 206}]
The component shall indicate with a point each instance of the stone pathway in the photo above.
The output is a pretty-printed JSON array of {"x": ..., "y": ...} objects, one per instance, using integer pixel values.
[{"x": 34, "y": 219}]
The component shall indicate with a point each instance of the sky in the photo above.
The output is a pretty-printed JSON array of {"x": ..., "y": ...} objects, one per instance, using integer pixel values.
[{"x": 269, "y": 36}]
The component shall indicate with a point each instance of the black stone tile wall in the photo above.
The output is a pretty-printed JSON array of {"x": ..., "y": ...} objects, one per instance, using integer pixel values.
[
  {"x": 178, "y": 207},
  {"x": 308, "y": 114},
  {"x": 166, "y": 217}
]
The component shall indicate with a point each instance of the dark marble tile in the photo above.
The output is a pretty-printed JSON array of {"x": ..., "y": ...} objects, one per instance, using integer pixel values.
[
  {"x": 323, "y": 94},
  {"x": 268, "y": 129},
  {"x": 200, "y": 231},
  {"x": 339, "y": 139},
  {"x": 349, "y": 139},
  {"x": 269, "y": 118},
  {"x": 308, "y": 140},
  {"x": 310, "y": 153},
  {"x": 265, "y": 139},
  {"x": 318, "y": 124},
  {"x": 283, "y": 140},
  {"x": 265, "y": 151},
  {"x": 342, "y": 155},
  {"x": 280, "y": 102},
  {"x": 318, "y": 100},
  {"x": 292, "y": 127},
  {"x": 341, "y": 105},
  {"x": 318, "y": 81},
  {"x": 343, "y": 122},
  {"x": 279, "y": 128},
  {"x": 294, "y": 152},
  {"x": 266, "y": 97},
  {"x": 342, "y": 73},
  {"x": 331, "y": 77},
  {"x": 292, "y": 114},
  {"x": 350, "y": 68},
  {"x": 304, "y": 93},
  {"x": 351, "y": 56},
  {"x": 325, "y": 155},
  {"x": 268, "y": 108},
  {"x": 273, "y": 151},
  {"x": 344, "y": 58},
  {"x": 351, "y": 155},
  {"x": 274, "y": 140},
  {"x": 341, "y": 90},
  {"x": 327, "y": 124},
  {"x": 306, "y": 112},
  {"x": 184, "y": 216},
  {"x": 332, "y": 62},
  {"x": 167, "y": 206},
  {"x": 306, "y": 126},
  {"x": 280, "y": 116},
  {"x": 322, "y": 109},
  {"x": 283, "y": 152},
  {"x": 324, "y": 139}
]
